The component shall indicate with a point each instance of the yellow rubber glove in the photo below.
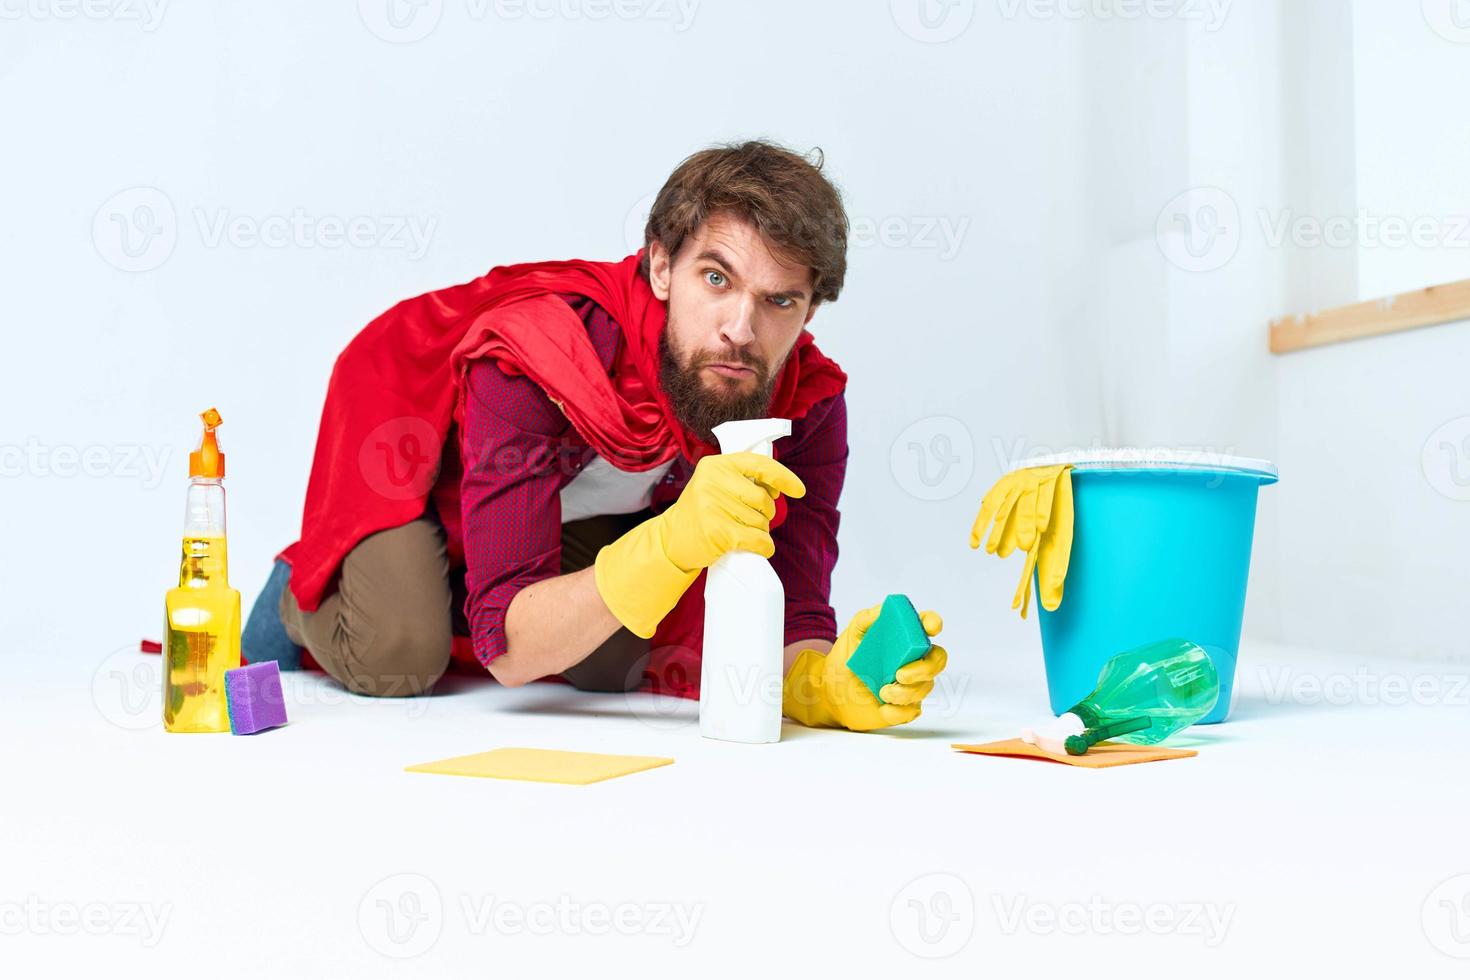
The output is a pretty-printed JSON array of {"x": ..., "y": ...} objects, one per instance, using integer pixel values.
[
  {"x": 820, "y": 692},
  {"x": 1032, "y": 510},
  {"x": 726, "y": 506}
]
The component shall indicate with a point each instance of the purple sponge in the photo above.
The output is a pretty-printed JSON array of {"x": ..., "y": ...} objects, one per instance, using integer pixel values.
[{"x": 253, "y": 696}]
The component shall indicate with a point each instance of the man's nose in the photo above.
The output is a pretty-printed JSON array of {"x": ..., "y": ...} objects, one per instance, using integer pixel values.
[{"x": 738, "y": 329}]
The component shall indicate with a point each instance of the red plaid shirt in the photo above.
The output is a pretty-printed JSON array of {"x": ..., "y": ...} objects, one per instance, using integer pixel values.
[{"x": 502, "y": 512}]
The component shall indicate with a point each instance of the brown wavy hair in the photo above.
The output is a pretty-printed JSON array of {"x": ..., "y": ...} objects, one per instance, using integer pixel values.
[{"x": 783, "y": 194}]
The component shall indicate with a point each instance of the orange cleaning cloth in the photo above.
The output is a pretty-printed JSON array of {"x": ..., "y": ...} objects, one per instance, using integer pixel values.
[{"x": 1101, "y": 756}]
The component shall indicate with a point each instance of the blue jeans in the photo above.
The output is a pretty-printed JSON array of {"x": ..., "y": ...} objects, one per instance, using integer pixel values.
[{"x": 264, "y": 638}]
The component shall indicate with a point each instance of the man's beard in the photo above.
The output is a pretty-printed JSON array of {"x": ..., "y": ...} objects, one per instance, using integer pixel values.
[{"x": 698, "y": 406}]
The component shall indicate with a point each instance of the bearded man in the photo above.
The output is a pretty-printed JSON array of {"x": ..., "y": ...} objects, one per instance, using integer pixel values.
[{"x": 519, "y": 473}]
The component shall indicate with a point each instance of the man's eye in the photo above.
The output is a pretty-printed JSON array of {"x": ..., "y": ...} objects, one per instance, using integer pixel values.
[
  {"x": 783, "y": 302},
  {"x": 714, "y": 278}
]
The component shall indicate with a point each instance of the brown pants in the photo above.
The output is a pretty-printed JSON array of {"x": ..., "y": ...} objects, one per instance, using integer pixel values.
[{"x": 387, "y": 630}]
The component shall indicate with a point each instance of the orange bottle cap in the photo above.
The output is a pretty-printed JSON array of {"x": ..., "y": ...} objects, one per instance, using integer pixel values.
[{"x": 207, "y": 461}]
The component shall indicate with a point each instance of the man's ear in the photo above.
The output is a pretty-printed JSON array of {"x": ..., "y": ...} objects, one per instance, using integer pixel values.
[
  {"x": 660, "y": 270},
  {"x": 811, "y": 311}
]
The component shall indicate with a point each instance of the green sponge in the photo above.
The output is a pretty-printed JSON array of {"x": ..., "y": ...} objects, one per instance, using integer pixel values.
[{"x": 896, "y": 637}]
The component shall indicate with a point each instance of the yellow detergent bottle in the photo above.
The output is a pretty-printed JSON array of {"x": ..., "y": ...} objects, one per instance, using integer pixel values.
[{"x": 202, "y": 626}]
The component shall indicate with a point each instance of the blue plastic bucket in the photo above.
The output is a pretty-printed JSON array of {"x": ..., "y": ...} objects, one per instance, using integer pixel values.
[{"x": 1162, "y": 548}]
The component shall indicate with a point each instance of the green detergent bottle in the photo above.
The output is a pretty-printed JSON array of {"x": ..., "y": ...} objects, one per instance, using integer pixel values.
[{"x": 1142, "y": 696}]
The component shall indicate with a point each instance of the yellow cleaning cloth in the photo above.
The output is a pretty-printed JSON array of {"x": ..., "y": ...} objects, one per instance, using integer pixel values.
[
  {"x": 542, "y": 765},
  {"x": 1101, "y": 756}
]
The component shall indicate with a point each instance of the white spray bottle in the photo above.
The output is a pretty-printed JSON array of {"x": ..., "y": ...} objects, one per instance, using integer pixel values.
[{"x": 744, "y": 622}]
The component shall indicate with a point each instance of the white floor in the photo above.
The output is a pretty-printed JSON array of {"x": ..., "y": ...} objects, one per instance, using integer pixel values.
[{"x": 1317, "y": 830}]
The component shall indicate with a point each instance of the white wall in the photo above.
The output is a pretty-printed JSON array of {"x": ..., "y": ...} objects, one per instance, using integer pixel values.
[
  {"x": 513, "y": 139},
  {"x": 1375, "y": 435},
  {"x": 1010, "y": 289}
]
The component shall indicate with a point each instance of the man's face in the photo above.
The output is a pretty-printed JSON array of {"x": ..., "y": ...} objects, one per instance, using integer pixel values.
[{"x": 735, "y": 310}]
